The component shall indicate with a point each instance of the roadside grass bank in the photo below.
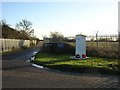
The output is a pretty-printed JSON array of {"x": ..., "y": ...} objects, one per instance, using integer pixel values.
[{"x": 64, "y": 63}]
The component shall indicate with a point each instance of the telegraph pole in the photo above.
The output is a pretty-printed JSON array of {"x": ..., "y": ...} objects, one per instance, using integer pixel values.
[
  {"x": 119, "y": 29},
  {"x": 97, "y": 39}
]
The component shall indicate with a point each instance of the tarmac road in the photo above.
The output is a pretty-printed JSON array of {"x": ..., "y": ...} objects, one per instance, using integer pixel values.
[
  {"x": 24, "y": 54},
  {"x": 17, "y": 73}
]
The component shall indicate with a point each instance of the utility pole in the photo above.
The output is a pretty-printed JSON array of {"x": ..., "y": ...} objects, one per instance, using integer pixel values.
[
  {"x": 119, "y": 29},
  {"x": 97, "y": 39}
]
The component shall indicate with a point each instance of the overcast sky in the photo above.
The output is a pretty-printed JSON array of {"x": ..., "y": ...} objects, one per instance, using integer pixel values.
[{"x": 69, "y": 18}]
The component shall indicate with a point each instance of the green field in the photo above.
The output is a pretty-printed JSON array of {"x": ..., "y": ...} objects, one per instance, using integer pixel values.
[
  {"x": 63, "y": 62},
  {"x": 109, "y": 46},
  {"x": 104, "y": 49}
]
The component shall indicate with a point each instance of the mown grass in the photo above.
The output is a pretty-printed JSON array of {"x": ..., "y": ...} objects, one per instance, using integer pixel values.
[{"x": 63, "y": 62}]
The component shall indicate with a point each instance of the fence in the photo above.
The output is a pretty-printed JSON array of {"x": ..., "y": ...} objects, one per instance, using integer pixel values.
[
  {"x": 104, "y": 45},
  {"x": 109, "y": 49},
  {"x": 9, "y": 44},
  {"x": 103, "y": 38}
]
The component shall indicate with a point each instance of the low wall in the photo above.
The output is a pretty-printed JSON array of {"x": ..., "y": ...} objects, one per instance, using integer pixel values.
[{"x": 9, "y": 44}]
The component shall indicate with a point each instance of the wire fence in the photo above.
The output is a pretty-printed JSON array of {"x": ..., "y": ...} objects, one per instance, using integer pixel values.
[
  {"x": 102, "y": 45},
  {"x": 109, "y": 49}
]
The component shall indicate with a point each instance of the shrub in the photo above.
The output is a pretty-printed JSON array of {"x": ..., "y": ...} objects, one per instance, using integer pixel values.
[
  {"x": 54, "y": 48},
  {"x": 24, "y": 47}
]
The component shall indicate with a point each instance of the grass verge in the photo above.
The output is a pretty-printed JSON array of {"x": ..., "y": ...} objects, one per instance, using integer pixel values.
[{"x": 64, "y": 63}]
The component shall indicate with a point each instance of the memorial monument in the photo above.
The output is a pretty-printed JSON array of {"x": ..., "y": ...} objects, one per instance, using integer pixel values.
[{"x": 80, "y": 51}]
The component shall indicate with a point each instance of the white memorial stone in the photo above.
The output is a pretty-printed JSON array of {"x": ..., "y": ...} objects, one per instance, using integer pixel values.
[
  {"x": 80, "y": 51},
  {"x": 80, "y": 45}
]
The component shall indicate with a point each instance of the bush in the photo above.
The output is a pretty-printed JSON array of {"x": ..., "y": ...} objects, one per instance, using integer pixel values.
[
  {"x": 54, "y": 48},
  {"x": 24, "y": 47}
]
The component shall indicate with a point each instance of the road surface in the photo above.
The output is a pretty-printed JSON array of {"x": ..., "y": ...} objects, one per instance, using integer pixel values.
[{"x": 17, "y": 73}]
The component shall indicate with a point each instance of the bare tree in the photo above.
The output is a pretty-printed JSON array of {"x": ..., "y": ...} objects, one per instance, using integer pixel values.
[
  {"x": 4, "y": 22},
  {"x": 56, "y": 36},
  {"x": 25, "y": 27}
]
